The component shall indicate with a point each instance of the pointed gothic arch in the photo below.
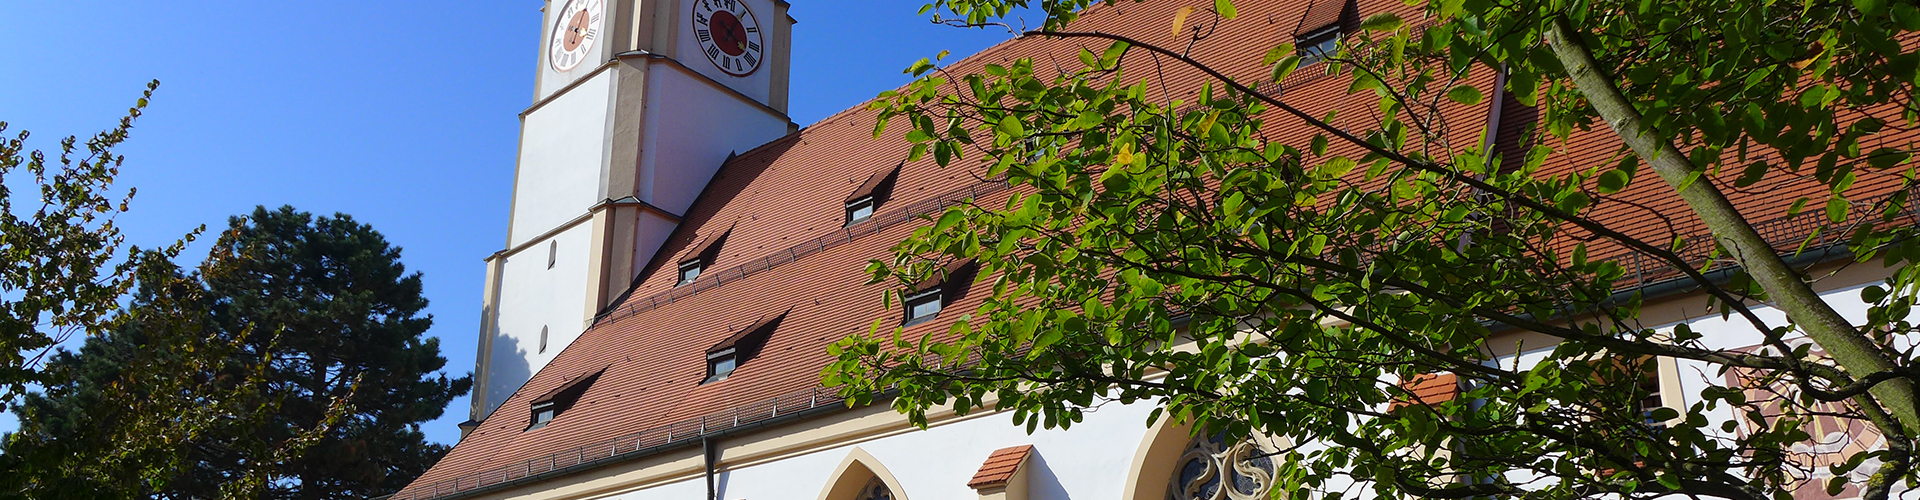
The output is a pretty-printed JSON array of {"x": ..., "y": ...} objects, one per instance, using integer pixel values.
[
  {"x": 1166, "y": 447},
  {"x": 857, "y": 476}
]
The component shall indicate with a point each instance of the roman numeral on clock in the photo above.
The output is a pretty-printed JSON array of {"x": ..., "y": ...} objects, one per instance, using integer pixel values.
[
  {"x": 750, "y": 59},
  {"x": 751, "y": 29},
  {"x": 704, "y": 35},
  {"x": 753, "y": 47},
  {"x": 713, "y": 52}
]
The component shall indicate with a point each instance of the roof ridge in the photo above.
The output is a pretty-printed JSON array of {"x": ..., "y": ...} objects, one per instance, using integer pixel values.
[{"x": 863, "y": 105}]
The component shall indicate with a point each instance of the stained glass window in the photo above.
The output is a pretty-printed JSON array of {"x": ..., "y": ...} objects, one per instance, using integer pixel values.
[
  {"x": 1213, "y": 469},
  {"x": 875, "y": 490}
]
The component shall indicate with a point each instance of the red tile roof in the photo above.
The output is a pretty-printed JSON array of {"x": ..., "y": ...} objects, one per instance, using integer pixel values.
[
  {"x": 709, "y": 244},
  {"x": 755, "y": 328},
  {"x": 789, "y": 250},
  {"x": 874, "y": 182},
  {"x": 1000, "y": 466},
  {"x": 956, "y": 271},
  {"x": 1430, "y": 389},
  {"x": 570, "y": 384},
  {"x": 1321, "y": 14}
]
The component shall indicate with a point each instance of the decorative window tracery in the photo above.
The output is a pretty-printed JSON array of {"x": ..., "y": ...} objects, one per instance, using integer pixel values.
[
  {"x": 1213, "y": 469},
  {"x": 875, "y": 490}
]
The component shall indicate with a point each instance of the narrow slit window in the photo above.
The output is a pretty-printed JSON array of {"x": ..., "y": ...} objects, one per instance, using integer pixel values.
[
  {"x": 543, "y": 339},
  {"x": 553, "y": 253},
  {"x": 1650, "y": 400}
]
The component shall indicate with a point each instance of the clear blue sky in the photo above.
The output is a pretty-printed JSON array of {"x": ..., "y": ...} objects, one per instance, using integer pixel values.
[{"x": 402, "y": 114}]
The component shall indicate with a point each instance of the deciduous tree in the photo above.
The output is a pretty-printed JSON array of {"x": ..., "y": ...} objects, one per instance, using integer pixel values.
[{"x": 1188, "y": 253}]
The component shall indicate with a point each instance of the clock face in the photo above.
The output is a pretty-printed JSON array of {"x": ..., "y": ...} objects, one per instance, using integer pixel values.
[
  {"x": 574, "y": 32},
  {"x": 729, "y": 35}
]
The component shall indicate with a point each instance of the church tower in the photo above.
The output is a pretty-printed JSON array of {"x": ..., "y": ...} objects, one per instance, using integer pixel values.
[{"x": 636, "y": 105}]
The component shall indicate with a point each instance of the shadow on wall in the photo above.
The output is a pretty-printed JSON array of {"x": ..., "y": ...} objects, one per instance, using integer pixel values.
[
  {"x": 1041, "y": 483},
  {"x": 506, "y": 372}
]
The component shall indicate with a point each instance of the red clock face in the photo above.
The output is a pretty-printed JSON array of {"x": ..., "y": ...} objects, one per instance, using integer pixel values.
[{"x": 728, "y": 35}]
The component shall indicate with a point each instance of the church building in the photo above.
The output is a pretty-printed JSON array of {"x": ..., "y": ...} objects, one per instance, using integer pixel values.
[{"x": 680, "y": 254}]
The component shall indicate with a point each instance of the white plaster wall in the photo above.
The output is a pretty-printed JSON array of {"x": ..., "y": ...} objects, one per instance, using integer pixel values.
[
  {"x": 652, "y": 232},
  {"x": 1716, "y": 333},
  {"x": 552, "y": 81},
  {"x": 1737, "y": 333},
  {"x": 532, "y": 296},
  {"x": 1090, "y": 461},
  {"x": 562, "y": 151},
  {"x": 692, "y": 127},
  {"x": 757, "y": 85}
]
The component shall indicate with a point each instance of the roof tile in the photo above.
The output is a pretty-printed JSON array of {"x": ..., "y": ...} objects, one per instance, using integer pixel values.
[
  {"x": 785, "y": 204},
  {"x": 1000, "y": 467}
]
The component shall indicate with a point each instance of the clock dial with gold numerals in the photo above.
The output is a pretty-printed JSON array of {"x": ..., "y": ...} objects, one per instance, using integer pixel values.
[
  {"x": 729, "y": 35},
  {"x": 575, "y": 30}
]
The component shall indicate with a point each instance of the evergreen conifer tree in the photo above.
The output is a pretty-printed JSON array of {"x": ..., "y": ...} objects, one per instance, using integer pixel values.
[{"x": 327, "y": 309}]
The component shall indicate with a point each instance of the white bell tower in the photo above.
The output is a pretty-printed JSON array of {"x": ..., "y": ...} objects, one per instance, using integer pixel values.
[{"x": 636, "y": 104}]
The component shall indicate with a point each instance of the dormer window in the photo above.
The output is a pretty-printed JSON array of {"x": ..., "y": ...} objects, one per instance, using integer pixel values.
[
  {"x": 739, "y": 348},
  {"x": 925, "y": 300},
  {"x": 721, "y": 364},
  {"x": 1317, "y": 37},
  {"x": 690, "y": 270},
  {"x": 867, "y": 199},
  {"x": 859, "y": 210},
  {"x": 700, "y": 257},
  {"x": 542, "y": 413},
  {"x": 557, "y": 401},
  {"x": 1317, "y": 45},
  {"x": 924, "y": 306}
]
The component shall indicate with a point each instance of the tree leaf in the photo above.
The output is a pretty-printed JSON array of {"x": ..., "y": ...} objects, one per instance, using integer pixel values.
[
  {"x": 1226, "y": 10},
  {"x": 1872, "y": 8},
  {"x": 1285, "y": 67},
  {"x": 1754, "y": 172},
  {"x": 1464, "y": 94},
  {"x": 1111, "y": 57},
  {"x": 1384, "y": 21},
  {"x": 1612, "y": 181},
  {"x": 1180, "y": 19},
  {"x": 1011, "y": 126}
]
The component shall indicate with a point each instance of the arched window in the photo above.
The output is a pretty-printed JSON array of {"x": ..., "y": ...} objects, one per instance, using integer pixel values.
[
  {"x": 861, "y": 477},
  {"x": 1212, "y": 468},
  {"x": 1174, "y": 464},
  {"x": 875, "y": 490}
]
